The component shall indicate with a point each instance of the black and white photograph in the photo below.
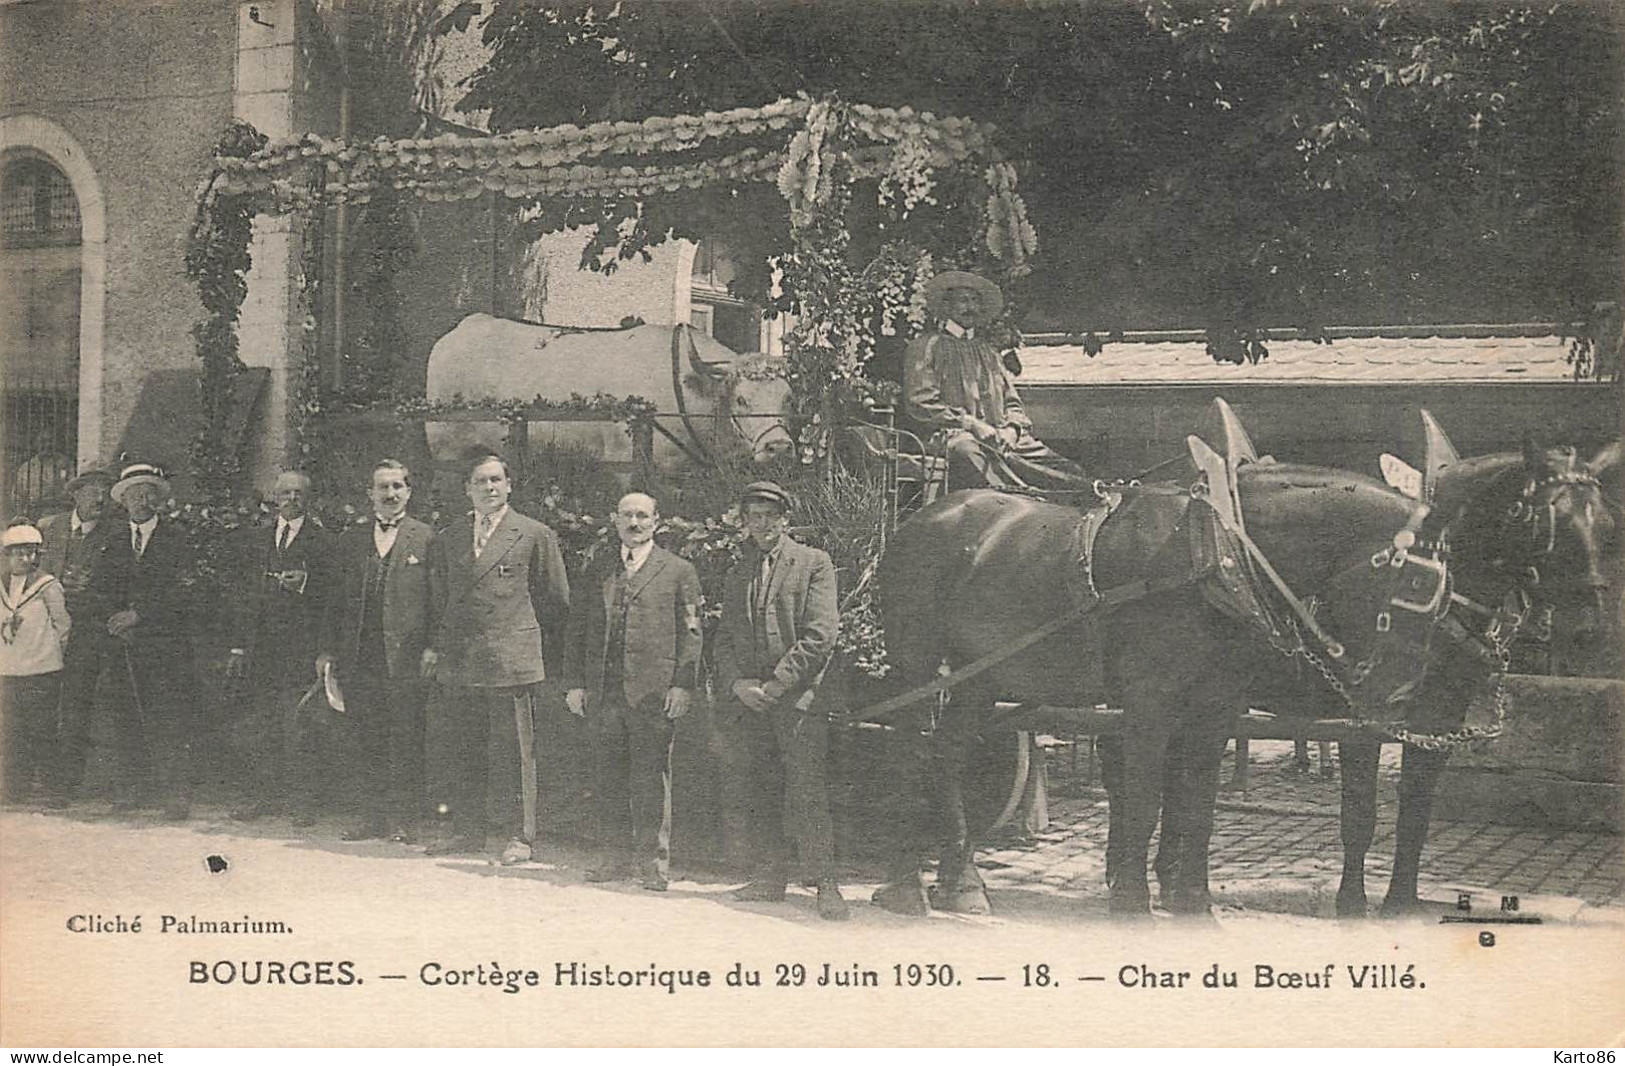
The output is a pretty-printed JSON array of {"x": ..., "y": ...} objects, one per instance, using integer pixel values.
[{"x": 812, "y": 523}]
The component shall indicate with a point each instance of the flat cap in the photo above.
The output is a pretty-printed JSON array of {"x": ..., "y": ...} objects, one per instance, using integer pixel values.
[{"x": 770, "y": 491}]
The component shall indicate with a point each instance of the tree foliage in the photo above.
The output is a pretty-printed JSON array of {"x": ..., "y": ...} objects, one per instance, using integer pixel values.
[{"x": 1188, "y": 162}]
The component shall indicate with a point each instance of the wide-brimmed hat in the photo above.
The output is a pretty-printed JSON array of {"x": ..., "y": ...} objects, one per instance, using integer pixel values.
[
  {"x": 134, "y": 474},
  {"x": 89, "y": 475},
  {"x": 770, "y": 491},
  {"x": 992, "y": 300},
  {"x": 21, "y": 535}
]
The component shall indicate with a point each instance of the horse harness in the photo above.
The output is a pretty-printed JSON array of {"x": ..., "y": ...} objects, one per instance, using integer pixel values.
[
  {"x": 1227, "y": 562},
  {"x": 1504, "y": 623}
]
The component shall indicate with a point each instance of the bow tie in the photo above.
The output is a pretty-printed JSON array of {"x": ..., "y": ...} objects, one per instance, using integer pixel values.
[{"x": 387, "y": 524}]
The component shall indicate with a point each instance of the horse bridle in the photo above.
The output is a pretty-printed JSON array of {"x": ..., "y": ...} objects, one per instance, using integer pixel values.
[
  {"x": 1507, "y": 619},
  {"x": 1419, "y": 584}
]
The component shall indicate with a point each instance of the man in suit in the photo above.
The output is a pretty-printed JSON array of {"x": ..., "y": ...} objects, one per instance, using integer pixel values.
[
  {"x": 76, "y": 543},
  {"x": 144, "y": 587},
  {"x": 375, "y": 640},
  {"x": 503, "y": 580},
  {"x": 281, "y": 596},
  {"x": 630, "y": 663},
  {"x": 779, "y": 620}
]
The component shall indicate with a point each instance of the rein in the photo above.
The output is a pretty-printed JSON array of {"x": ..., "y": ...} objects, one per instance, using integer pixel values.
[{"x": 1141, "y": 588}]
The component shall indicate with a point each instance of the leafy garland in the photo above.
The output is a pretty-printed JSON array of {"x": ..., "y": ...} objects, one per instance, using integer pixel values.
[
  {"x": 841, "y": 306},
  {"x": 218, "y": 261}
]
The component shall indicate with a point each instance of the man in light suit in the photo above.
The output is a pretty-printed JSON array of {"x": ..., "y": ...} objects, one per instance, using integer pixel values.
[
  {"x": 630, "y": 663},
  {"x": 375, "y": 639},
  {"x": 281, "y": 599},
  {"x": 779, "y": 620},
  {"x": 503, "y": 581}
]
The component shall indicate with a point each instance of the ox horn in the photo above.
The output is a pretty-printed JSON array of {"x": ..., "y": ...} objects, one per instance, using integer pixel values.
[
  {"x": 683, "y": 334},
  {"x": 1438, "y": 453}
]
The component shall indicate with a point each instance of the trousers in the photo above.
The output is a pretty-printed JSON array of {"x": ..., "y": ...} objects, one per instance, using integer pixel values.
[
  {"x": 482, "y": 759},
  {"x": 777, "y": 778},
  {"x": 631, "y": 749},
  {"x": 1030, "y": 463},
  {"x": 387, "y": 718}
]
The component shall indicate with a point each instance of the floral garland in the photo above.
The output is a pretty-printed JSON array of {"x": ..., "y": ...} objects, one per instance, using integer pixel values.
[
  {"x": 553, "y": 161},
  {"x": 597, "y": 407},
  {"x": 841, "y": 308},
  {"x": 217, "y": 262}
]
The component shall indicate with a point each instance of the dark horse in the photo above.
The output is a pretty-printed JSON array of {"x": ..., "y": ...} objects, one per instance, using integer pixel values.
[
  {"x": 1528, "y": 533},
  {"x": 978, "y": 569}
]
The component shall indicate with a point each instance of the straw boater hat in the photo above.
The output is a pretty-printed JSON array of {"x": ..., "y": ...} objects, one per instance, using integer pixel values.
[
  {"x": 139, "y": 474},
  {"x": 937, "y": 288}
]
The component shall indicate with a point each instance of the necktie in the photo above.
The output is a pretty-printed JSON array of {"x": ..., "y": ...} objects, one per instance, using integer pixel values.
[
  {"x": 387, "y": 524},
  {"x": 626, "y": 559},
  {"x": 136, "y": 541},
  {"x": 282, "y": 541},
  {"x": 762, "y": 578},
  {"x": 487, "y": 522}
]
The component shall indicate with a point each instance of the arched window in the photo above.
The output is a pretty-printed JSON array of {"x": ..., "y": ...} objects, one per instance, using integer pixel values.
[
  {"x": 713, "y": 309},
  {"x": 39, "y": 332}
]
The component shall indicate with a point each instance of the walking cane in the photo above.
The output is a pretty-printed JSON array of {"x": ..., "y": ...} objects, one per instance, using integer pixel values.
[{"x": 135, "y": 693}]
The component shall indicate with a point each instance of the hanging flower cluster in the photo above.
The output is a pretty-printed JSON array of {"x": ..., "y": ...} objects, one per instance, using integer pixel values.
[{"x": 1010, "y": 237}]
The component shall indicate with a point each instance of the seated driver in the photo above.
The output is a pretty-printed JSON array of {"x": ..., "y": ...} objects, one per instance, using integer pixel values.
[{"x": 955, "y": 383}]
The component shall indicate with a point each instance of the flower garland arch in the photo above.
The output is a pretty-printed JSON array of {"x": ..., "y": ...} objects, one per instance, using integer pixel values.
[{"x": 814, "y": 151}]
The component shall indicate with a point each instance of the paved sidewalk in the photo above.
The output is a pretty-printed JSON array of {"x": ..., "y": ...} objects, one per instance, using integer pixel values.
[{"x": 1277, "y": 847}]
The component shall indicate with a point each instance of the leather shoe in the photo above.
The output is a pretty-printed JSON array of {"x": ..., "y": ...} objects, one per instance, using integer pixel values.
[
  {"x": 403, "y": 834},
  {"x": 831, "y": 905},
  {"x": 653, "y": 880},
  {"x": 365, "y": 831},
  {"x": 515, "y": 853},
  {"x": 455, "y": 846},
  {"x": 760, "y": 892}
]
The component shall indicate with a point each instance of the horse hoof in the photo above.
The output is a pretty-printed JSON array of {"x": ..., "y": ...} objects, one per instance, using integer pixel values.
[
  {"x": 1188, "y": 905},
  {"x": 1404, "y": 907},
  {"x": 903, "y": 897},
  {"x": 1351, "y": 908},
  {"x": 961, "y": 901}
]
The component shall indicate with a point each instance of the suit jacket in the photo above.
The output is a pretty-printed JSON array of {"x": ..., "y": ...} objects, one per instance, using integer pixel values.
[
  {"x": 495, "y": 606},
  {"x": 662, "y": 630},
  {"x": 279, "y": 624},
  {"x": 91, "y": 555},
  {"x": 800, "y": 622},
  {"x": 157, "y": 586},
  {"x": 410, "y": 596}
]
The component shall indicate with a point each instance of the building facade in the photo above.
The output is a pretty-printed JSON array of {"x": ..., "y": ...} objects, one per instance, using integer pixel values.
[{"x": 108, "y": 116}]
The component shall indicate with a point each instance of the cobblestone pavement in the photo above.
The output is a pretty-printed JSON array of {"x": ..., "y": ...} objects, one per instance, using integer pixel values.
[{"x": 1277, "y": 847}]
